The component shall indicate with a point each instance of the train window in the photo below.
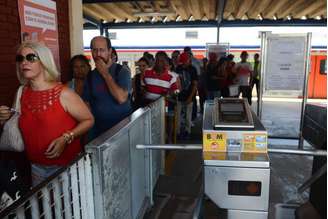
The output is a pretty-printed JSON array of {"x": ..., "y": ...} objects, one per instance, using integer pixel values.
[
  {"x": 323, "y": 67},
  {"x": 191, "y": 34},
  {"x": 112, "y": 35}
]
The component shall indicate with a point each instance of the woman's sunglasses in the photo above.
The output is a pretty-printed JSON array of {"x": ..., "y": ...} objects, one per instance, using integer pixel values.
[{"x": 29, "y": 57}]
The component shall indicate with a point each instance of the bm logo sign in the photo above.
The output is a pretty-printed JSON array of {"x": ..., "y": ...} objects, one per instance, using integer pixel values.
[{"x": 214, "y": 136}]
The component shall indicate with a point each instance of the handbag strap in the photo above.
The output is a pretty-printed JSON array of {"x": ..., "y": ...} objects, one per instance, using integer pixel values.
[{"x": 18, "y": 97}]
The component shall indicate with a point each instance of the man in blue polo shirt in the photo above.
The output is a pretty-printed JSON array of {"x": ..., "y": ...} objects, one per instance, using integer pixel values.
[{"x": 107, "y": 87}]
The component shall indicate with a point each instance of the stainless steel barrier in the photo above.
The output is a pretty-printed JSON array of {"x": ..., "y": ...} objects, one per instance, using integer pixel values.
[
  {"x": 112, "y": 180},
  {"x": 124, "y": 177}
]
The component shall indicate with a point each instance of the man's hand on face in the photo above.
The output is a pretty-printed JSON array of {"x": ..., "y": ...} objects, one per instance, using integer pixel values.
[{"x": 102, "y": 66}]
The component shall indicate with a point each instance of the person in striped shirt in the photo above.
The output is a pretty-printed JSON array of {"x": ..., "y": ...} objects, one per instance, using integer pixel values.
[{"x": 159, "y": 81}]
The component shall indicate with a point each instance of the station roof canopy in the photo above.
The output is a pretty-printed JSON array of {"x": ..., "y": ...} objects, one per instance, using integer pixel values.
[{"x": 191, "y": 13}]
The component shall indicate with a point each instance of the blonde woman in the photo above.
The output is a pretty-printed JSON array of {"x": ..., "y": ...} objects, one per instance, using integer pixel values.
[{"x": 52, "y": 118}]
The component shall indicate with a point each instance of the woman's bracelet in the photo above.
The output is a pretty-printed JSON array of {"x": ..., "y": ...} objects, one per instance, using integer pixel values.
[{"x": 69, "y": 137}]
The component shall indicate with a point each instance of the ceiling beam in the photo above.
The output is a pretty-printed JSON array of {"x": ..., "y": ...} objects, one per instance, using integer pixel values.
[
  {"x": 311, "y": 8},
  {"x": 92, "y": 13},
  {"x": 293, "y": 7},
  {"x": 207, "y": 9},
  {"x": 169, "y": 24},
  {"x": 231, "y": 6},
  {"x": 136, "y": 5},
  {"x": 320, "y": 12},
  {"x": 201, "y": 9},
  {"x": 273, "y": 8},
  {"x": 195, "y": 8},
  {"x": 171, "y": 7},
  {"x": 300, "y": 9},
  {"x": 235, "y": 7},
  {"x": 243, "y": 8},
  {"x": 258, "y": 8},
  {"x": 103, "y": 12},
  {"x": 112, "y": 1},
  {"x": 118, "y": 11},
  {"x": 155, "y": 6},
  {"x": 181, "y": 9},
  {"x": 280, "y": 22},
  {"x": 187, "y": 6},
  {"x": 213, "y": 8},
  {"x": 213, "y": 23}
]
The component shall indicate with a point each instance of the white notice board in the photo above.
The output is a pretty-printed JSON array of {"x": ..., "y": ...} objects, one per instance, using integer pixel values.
[{"x": 285, "y": 62}]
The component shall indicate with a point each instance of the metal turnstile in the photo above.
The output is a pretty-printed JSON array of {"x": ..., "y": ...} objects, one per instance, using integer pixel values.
[{"x": 236, "y": 163}]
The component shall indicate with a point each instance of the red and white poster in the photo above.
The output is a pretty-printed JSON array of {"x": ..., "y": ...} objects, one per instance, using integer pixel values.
[{"x": 38, "y": 20}]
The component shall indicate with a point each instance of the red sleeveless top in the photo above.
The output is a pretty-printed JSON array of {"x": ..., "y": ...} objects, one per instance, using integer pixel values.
[{"x": 42, "y": 120}]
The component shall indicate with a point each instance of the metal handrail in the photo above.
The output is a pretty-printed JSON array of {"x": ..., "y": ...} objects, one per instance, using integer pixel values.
[
  {"x": 298, "y": 152},
  {"x": 200, "y": 147},
  {"x": 171, "y": 146}
]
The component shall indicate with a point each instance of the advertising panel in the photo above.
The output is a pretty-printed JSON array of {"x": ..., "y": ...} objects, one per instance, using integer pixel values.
[{"x": 38, "y": 20}]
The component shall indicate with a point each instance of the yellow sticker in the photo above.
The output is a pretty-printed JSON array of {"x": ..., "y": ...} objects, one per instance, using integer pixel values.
[
  {"x": 214, "y": 141},
  {"x": 210, "y": 155},
  {"x": 249, "y": 146},
  {"x": 255, "y": 142}
]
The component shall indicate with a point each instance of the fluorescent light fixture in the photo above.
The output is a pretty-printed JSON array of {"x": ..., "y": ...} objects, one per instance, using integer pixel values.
[
  {"x": 177, "y": 18},
  {"x": 165, "y": 19},
  {"x": 304, "y": 17}
]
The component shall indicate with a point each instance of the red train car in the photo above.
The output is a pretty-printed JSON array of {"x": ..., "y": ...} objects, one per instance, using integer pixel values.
[{"x": 317, "y": 85}]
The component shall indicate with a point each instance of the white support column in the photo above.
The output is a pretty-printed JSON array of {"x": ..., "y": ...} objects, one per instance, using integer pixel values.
[{"x": 76, "y": 27}]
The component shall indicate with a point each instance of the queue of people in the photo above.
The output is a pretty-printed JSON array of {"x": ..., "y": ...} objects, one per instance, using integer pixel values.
[
  {"x": 55, "y": 118},
  {"x": 215, "y": 77},
  {"x": 225, "y": 78}
]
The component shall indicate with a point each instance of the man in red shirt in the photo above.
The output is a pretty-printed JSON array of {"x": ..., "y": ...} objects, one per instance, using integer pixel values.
[{"x": 158, "y": 81}]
